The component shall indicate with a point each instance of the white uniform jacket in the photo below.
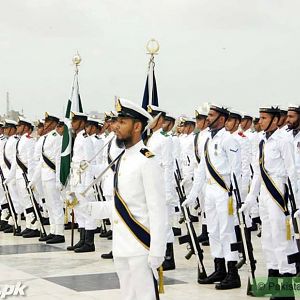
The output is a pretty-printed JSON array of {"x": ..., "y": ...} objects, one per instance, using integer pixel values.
[
  {"x": 160, "y": 143},
  {"x": 225, "y": 156},
  {"x": 140, "y": 184}
]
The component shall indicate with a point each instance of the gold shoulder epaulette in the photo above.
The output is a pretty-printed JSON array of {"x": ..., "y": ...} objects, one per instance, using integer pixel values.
[{"x": 146, "y": 152}]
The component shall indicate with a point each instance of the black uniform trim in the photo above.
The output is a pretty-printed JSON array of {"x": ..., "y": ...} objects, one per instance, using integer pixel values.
[
  {"x": 22, "y": 166},
  {"x": 139, "y": 231},
  {"x": 7, "y": 162},
  {"x": 279, "y": 198},
  {"x": 47, "y": 161},
  {"x": 196, "y": 150}
]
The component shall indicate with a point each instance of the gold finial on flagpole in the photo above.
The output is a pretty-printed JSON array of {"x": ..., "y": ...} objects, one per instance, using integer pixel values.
[
  {"x": 152, "y": 47},
  {"x": 76, "y": 60}
]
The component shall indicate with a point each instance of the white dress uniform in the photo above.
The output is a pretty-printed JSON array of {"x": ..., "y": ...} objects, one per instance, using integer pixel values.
[
  {"x": 39, "y": 187},
  {"x": 9, "y": 152},
  {"x": 51, "y": 150},
  {"x": 296, "y": 142},
  {"x": 279, "y": 163},
  {"x": 225, "y": 156},
  {"x": 254, "y": 138},
  {"x": 83, "y": 150},
  {"x": 200, "y": 142},
  {"x": 140, "y": 183},
  {"x": 24, "y": 153},
  {"x": 5, "y": 211},
  {"x": 160, "y": 144},
  {"x": 188, "y": 161},
  {"x": 245, "y": 146}
]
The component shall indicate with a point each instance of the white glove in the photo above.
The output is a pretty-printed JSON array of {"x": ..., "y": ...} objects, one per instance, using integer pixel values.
[
  {"x": 189, "y": 200},
  {"x": 297, "y": 213},
  {"x": 9, "y": 180},
  {"x": 244, "y": 208},
  {"x": 59, "y": 186},
  {"x": 249, "y": 202},
  {"x": 155, "y": 262},
  {"x": 185, "y": 180},
  {"x": 31, "y": 185}
]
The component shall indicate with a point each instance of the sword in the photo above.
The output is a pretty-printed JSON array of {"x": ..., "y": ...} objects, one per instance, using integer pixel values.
[{"x": 97, "y": 179}]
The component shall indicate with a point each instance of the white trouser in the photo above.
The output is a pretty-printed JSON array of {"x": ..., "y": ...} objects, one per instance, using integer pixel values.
[
  {"x": 55, "y": 207},
  {"x": 136, "y": 278},
  {"x": 254, "y": 210},
  {"x": 2, "y": 196},
  {"x": 201, "y": 198},
  {"x": 170, "y": 234},
  {"x": 187, "y": 188},
  {"x": 15, "y": 197},
  {"x": 84, "y": 221},
  {"x": 220, "y": 225},
  {"x": 275, "y": 245},
  {"x": 4, "y": 212},
  {"x": 26, "y": 203}
]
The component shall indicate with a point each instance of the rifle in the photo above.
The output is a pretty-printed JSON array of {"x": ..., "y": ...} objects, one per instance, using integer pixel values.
[
  {"x": 36, "y": 210},
  {"x": 245, "y": 244},
  {"x": 191, "y": 237},
  {"x": 10, "y": 207},
  {"x": 295, "y": 257}
]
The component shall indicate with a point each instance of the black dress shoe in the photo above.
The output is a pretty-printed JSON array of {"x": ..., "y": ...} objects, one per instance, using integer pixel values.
[
  {"x": 203, "y": 237},
  {"x": 47, "y": 237},
  {"x": 80, "y": 242},
  {"x": 56, "y": 239},
  {"x": 218, "y": 275},
  {"x": 18, "y": 232},
  {"x": 32, "y": 234},
  {"x": 232, "y": 279},
  {"x": 108, "y": 255},
  {"x": 106, "y": 234},
  {"x": 169, "y": 262},
  {"x": 88, "y": 245},
  {"x": 3, "y": 223},
  {"x": 97, "y": 230},
  {"x": 25, "y": 231},
  {"x": 46, "y": 221},
  {"x": 8, "y": 229}
]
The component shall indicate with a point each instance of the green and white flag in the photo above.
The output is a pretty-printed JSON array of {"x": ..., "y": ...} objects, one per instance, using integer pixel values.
[{"x": 74, "y": 104}]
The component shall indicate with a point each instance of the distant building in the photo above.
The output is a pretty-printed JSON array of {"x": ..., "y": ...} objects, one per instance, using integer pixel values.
[{"x": 12, "y": 115}]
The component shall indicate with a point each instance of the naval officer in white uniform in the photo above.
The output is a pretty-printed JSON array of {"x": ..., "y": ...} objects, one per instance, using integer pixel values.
[{"x": 139, "y": 211}]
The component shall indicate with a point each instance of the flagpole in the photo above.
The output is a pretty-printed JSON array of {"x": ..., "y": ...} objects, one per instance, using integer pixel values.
[
  {"x": 76, "y": 62},
  {"x": 152, "y": 50}
]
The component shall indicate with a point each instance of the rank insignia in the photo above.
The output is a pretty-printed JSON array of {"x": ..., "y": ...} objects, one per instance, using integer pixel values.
[
  {"x": 146, "y": 152},
  {"x": 216, "y": 149}
]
